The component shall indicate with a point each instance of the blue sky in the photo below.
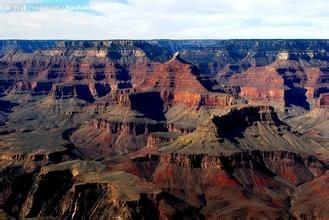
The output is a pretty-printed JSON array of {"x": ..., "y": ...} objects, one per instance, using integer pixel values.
[{"x": 170, "y": 19}]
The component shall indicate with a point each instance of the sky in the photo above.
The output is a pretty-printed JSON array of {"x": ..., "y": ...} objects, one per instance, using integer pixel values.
[{"x": 164, "y": 19}]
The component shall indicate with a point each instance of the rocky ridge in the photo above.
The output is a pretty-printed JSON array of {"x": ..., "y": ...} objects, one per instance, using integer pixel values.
[{"x": 164, "y": 129}]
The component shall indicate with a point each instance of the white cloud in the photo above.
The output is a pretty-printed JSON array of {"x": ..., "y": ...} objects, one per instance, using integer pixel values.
[{"x": 176, "y": 19}]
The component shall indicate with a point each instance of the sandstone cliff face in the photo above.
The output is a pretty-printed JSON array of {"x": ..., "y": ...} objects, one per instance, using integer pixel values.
[
  {"x": 314, "y": 208},
  {"x": 78, "y": 189},
  {"x": 243, "y": 128},
  {"x": 35, "y": 66},
  {"x": 110, "y": 138},
  {"x": 324, "y": 100},
  {"x": 164, "y": 129},
  {"x": 17, "y": 172},
  {"x": 180, "y": 82},
  {"x": 270, "y": 96},
  {"x": 221, "y": 185},
  {"x": 315, "y": 84},
  {"x": 100, "y": 137},
  {"x": 241, "y": 181},
  {"x": 283, "y": 83}
]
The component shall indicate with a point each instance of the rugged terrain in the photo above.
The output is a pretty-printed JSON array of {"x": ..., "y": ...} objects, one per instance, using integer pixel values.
[{"x": 162, "y": 129}]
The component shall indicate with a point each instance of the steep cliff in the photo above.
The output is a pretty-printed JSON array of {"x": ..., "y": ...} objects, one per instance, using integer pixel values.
[
  {"x": 251, "y": 184},
  {"x": 33, "y": 66},
  {"x": 162, "y": 129}
]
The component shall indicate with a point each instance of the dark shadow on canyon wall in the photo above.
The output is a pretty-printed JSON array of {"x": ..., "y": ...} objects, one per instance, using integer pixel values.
[{"x": 150, "y": 104}]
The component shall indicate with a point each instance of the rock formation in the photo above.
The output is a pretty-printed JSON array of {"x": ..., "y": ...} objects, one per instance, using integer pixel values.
[{"x": 161, "y": 129}]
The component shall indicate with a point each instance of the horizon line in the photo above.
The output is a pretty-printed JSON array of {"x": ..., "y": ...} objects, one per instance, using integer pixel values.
[{"x": 155, "y": 39}]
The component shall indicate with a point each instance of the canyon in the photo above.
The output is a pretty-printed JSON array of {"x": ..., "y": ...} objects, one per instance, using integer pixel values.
[{"x": 164, "y": 129}]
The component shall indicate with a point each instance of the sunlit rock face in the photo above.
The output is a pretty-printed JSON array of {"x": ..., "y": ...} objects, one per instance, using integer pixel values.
[{"x": 161, "y": 129}]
